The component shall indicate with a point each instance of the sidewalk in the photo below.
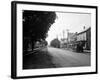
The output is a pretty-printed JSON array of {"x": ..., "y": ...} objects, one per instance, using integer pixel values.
[
  {"x": 84, "y": 51},
  {"x": 88, "y": 51}
]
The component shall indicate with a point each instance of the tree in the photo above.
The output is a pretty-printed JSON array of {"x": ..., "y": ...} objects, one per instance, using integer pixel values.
[
  {"x": 36, "y": 25},
  {"x": 55, "y": 43}
]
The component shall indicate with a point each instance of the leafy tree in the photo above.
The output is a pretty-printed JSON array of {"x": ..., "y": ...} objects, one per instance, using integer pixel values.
[
  {"x": 36, "y": 25},
  {"x": 55, "y": 43}
]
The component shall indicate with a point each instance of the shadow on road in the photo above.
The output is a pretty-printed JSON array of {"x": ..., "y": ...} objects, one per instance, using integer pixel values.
[{"x": 38, "y": 60}]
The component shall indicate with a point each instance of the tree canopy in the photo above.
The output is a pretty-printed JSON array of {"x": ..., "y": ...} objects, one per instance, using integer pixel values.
[
  {"x": 36, "y": 24},
  {"x": 55, "y": 43}
]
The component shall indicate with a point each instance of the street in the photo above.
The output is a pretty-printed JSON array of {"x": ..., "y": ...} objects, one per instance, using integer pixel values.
[
  {"x": 49, "y": 57},
  {"x": 66, "y": 58}
]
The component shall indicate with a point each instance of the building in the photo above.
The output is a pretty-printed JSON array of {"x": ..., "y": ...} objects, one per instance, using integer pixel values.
[
  {"x": 88, "y": 38},
  {"x": 81, "y": 40},
  {"x": 63, "y": 43},
  {"x": 85, "y": 38},
  {"x": 70, "y": 37}
]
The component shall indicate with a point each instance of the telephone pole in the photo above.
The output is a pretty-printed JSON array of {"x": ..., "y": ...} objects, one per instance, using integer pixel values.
[
  {"x": 67, "y": 32},
  {"x": 63, "y": 34}
]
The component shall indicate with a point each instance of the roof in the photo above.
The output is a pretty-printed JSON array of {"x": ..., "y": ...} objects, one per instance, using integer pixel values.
[{"x": 84, "y": 31}]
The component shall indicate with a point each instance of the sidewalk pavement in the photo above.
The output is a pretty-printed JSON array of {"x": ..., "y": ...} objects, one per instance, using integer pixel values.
[{"x": 84, "y": 51}]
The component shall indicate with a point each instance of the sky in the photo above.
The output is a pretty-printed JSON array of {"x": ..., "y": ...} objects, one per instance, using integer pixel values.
[{"x": 74, "y": 22}]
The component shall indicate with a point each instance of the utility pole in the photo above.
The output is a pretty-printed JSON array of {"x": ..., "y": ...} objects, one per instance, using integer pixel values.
[
  {"x": 67, "y": 32},
  {"x": 63, "y": 34}
]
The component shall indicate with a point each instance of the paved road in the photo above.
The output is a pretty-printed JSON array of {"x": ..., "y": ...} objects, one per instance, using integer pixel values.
[{"x": 65, "y": 58}]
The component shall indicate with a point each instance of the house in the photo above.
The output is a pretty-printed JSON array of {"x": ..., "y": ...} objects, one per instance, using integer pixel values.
[{"x": 85, "y": 37}]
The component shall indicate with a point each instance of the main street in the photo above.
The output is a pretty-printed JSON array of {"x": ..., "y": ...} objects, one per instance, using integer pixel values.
[
  {"x": 49, "y": 57},
  {"x": 66, "y": 58}
]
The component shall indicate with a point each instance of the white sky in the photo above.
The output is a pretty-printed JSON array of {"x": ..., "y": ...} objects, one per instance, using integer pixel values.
[{"x": 72, "y": 21}]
